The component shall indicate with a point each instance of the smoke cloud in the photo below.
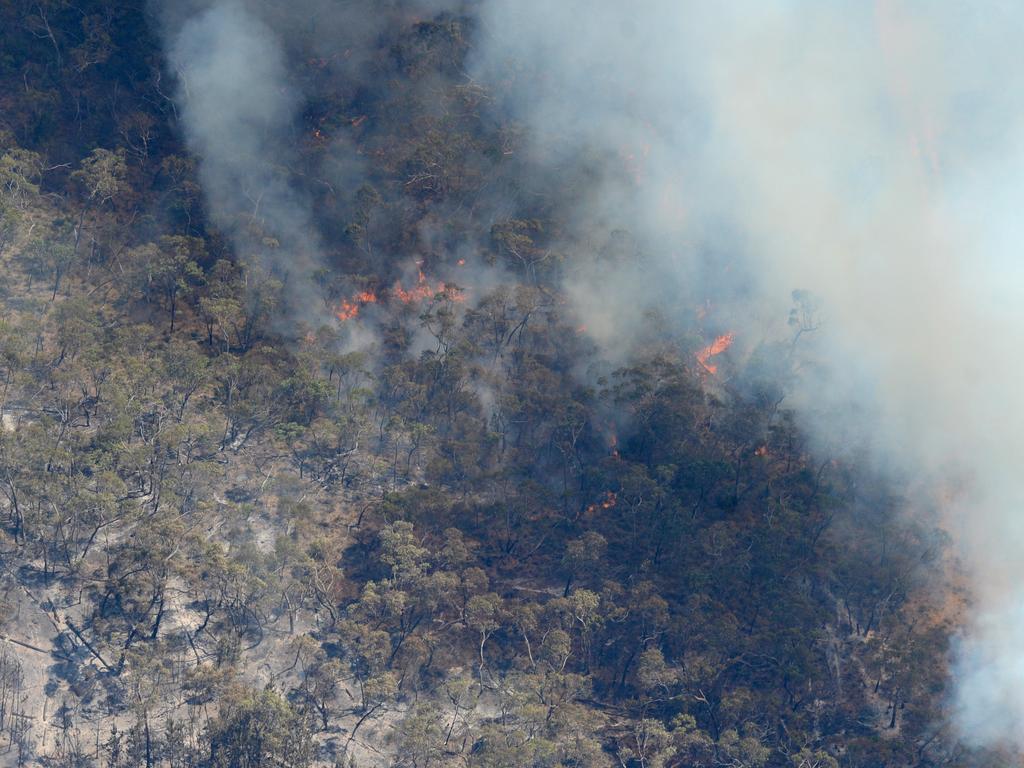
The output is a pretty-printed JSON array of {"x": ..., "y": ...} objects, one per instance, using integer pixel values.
[
  {"x": 238, "y": 108},
  {"x": 868, "y": 153},
  {"x": 242, "y": 66}
]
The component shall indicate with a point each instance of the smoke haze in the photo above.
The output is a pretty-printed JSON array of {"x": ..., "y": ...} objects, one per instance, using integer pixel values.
[
  {"x": 238, "y": 111},
  {"x": 867, "y": 153}
]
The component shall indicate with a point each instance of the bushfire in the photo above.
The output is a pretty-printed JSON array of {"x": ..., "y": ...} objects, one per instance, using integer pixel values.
[
  {"x": 349, "y": 308},
  {"x": 610, "y": 500},
  {"x": 423, "y": 290},
  {"x": 717, "y": 347}
]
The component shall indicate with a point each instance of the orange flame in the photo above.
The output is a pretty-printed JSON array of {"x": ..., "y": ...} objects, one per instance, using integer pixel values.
[
  {"x": 717, "y": 347},
  {"x": 423, "y": 290},
  {"x": 610, "y": 500},
  {"x": 349, "y": 308}
]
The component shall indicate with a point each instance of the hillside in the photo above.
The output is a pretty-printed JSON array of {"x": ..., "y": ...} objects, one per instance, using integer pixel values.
[{"x": 310, "y": 455}]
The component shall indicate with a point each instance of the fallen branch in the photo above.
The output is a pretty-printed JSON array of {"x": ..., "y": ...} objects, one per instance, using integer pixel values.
[{"x": 35, "y": 648}]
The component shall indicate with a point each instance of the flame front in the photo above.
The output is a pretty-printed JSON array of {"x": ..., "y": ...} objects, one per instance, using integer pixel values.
[
  {"x": 349, "y": 308},
  {"x": 717, "y": 347},
  {"x": 423, "y": 290}
]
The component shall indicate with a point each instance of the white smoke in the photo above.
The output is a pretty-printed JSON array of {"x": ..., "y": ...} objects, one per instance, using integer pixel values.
[
  {"x": 239, "y": 65},
  {"x": 239, "y": 108},
  {"x": 871, "y": 153}
]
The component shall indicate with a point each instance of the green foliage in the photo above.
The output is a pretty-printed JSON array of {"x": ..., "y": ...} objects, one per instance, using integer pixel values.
[
  {"x": 259, "y": 730},
  {"x": 20, "y": 173},
  {"x": 101, "y": 176},
  {"x": 470, "y": 542}
]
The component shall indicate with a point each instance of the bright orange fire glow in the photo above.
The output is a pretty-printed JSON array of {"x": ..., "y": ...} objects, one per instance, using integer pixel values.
[
  {"x": 349, "y": 308},
  {"x": 717, "y": 347},
  {"x": 423, "y": 290},
  {"x": 610, "y": 500}
]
